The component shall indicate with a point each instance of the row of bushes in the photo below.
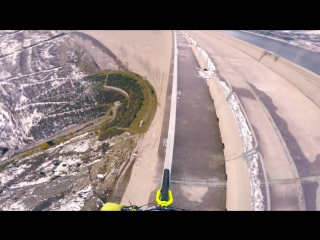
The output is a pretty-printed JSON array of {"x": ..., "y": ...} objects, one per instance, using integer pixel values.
[
  {"x": 111, "y": 132},
  {"x": 95, "y": 78}
]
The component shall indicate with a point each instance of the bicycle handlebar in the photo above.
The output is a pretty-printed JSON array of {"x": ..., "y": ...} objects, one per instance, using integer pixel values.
[
  {"x": 165, "y": 185},
  {"x": 155, "y": 208},
  {"x": 164, "y": 199}
]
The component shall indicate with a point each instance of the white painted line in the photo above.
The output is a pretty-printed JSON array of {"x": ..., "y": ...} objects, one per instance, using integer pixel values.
[{"x": 172, "y": 120}]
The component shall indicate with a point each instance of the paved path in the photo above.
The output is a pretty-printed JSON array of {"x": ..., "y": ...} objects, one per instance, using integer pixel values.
[
  {"x": 198, "y": 171},
  {"x": 117, "y": 89}
]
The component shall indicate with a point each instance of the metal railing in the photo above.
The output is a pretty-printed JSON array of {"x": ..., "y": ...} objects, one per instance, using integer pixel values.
[{"x": 249, "y": 153}]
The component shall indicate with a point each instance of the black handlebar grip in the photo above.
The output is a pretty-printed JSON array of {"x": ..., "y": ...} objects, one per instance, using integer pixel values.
[
  {"x": 165, "y": 185},
  {"x": 125, "y": 209}
]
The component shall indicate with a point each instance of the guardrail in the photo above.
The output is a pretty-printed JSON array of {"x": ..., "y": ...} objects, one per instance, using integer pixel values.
[
  {"x": 247, "y": 154},
  {"x": 251, "y": 152}
]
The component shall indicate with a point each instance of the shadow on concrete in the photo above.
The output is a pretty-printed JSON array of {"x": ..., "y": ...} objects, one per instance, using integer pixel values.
[
  {"x": 310, "y": 190},
  {"x": 119, "y": 188},
  {"x": 102, "y": 47},
  {"x": 304, "y": 166},
  {"x": 243, "y": 92}
]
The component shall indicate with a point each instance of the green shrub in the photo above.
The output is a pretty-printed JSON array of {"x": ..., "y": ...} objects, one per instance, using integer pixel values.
[{"x": 110, "y": 133}]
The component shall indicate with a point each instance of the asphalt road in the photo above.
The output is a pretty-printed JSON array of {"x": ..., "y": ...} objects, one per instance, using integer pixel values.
[
  {"x": 198, "y": 178},
  {"x": 303, "y": 57}
]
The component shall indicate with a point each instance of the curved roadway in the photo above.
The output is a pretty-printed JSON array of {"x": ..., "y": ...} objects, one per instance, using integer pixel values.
[{"x": 117, "y": 89}]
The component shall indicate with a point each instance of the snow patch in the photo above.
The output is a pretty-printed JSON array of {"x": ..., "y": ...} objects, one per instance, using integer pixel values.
[
  {"x": 4, "y": 75},
  {"x": 76, "y": 202},
  {"x": 23, "y": 98},
  {"x": 82, "y": 147},
  {"x": 29, "y": 119},
  {"x": 29, "y": 183},
  {"x": 112, "y": 141},
  {"x": 9, "y": 174},
  {"x": 44, "y": 165},
  {"x": 17, "y": 206},
  {"x": 255, "y": 183},
  {"x": 78, "y": 146}
]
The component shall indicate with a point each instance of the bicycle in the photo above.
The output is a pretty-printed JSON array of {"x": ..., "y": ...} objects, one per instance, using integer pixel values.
[{"x": 164, "y": 199}]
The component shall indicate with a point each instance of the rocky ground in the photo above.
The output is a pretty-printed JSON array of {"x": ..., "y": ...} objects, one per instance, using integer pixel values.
[
  {"x": 75, "y": 175},
  {"x": 41, "y": 87},
  {"x": 44, "y": 96}
]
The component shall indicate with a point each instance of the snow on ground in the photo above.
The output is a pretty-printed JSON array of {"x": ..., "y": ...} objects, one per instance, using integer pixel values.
[
  {"x": 62, "y": 169},
  {"x": 4, "y": 74},
  {"x": 9, "y": 174},
  {"x": 5, "y": 177},
  {"x": 97, "y": 144},
  {"x": 79, "y": 146},
  {"x": 25, "y": 166},
  {"x": 40, "y": 103},
  {"x": 8, "y": 47},
  {"x": 255, "y": 183},
  {"x": 76, "y": 73},
  {"x": 43, "y": 166},
  {"x": 95, "y": 161},
  {"x": 71, "y": 141},
  {"x": 28, "y": 183},
  {"x": 245, "y": 133},
  {"x": 5, "y": 120},
  {"x": 75, "y": 202},
  {"x": 28, "y": 119},
  {"x": 23, "y": 98},
  {"x": 112, "y": 141},
  {"x": 69, "y": 160},
  {"x": 15, "y": 58},
  {"x": 17, "y": 206},
  {"x": 310, "y": 32}
]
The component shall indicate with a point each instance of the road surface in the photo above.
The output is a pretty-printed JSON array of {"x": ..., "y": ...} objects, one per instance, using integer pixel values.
[{"x": 198, "y": 178}]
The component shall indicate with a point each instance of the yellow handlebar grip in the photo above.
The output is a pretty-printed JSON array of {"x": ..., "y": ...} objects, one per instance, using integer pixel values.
[
  {"x": 164, "y": 203},
  {"x": 109, "y": 206}
]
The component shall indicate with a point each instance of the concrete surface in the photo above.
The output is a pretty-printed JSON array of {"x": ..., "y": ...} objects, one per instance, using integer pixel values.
[
  {"x": 198, "y": 170},
  {"x": 238, "y": 182},
  {"x": 278, "y": 111},
  {"x": 306, "y": 81},
  {"x": 147, "y": 53}
]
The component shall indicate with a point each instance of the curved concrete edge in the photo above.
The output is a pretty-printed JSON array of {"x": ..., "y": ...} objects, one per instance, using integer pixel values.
[
  {"x": 238, "y": 180},
  {"x": 305, "y": 80},
  {"x": 197, "y": 53}
]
